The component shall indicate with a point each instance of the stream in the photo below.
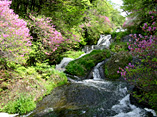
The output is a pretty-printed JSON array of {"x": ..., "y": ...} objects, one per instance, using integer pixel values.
[{"x": 96, "y": 97}]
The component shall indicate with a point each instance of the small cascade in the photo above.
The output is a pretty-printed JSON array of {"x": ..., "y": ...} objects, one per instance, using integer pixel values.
[
  {"x": 95, "y": 97},
  {"x": 63, "y": 64},
  {"x": 96, "y": 72},
  {"x": 103, "y": 42},
  {"x": 92, "y": 98}
]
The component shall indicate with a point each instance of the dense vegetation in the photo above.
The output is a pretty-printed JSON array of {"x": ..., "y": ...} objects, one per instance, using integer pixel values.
[
  {"x": 142, "y": 74},
  {"x": 37, "y": 34}
]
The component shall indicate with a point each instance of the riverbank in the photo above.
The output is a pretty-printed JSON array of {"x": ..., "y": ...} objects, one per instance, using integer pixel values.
[{"x": 22, "y": 87}]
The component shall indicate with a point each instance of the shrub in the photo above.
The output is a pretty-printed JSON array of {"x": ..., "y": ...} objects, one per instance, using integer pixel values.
[
  {"x": 48, "y": 40},
  {"x": 121, "y": 59},
  {"x": 14, "y": 35},
  {"x": 43, "y": 31},
  {"x": 143, "y": 75},
  {"x": 21, "y": 105}
]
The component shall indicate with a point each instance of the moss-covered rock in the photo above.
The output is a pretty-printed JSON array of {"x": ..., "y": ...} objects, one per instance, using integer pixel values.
[
  {"x": 82, "y": 66},
  {"x": 121, "y": 46},
  {"x": 72, "y": 54},
  {"x": 121, "y": 59}
]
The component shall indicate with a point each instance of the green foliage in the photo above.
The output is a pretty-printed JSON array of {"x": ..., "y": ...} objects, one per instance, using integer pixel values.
[
  {"x": 36, "y": 54},
  {"x": 68, "y": 15},
  {"x": 139, "y": 9},
  {"x": 122, "y": 58},
  {"x": 83, "y": 65},
  {"x": 72, "y": 54},
  {"x": 37, "y": 81},
  {"x": 119, "y": 35},
  {"x": 56, "y": 79},
  {"x": 144, "y": 78},
  {"x": 121, "y": 46},
  {"x": 143, "y": 75},
  {"x": 3, "y": 63},
  {"x": 93, "y": 32},
  {"x": 21, "y": 105}
]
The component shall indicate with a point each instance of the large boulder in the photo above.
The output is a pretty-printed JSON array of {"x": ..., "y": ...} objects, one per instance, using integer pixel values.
[
  {"x": 81, "y": 67},
  {"x": 121, "y": 59},
  {"x": 70, "y": 97}
]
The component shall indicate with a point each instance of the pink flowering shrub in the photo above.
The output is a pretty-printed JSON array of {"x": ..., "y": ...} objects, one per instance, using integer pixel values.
[
  {"x": 49, "y": 42},
  {"x": 46, "y": 34},
  {"x": 14, "y": 35},
  {"x": 143, "y": 74},
  {"x": 106, "y": 19}
]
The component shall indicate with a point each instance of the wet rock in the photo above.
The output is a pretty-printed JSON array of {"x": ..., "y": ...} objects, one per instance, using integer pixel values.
[{"x": 72, "y": 97}]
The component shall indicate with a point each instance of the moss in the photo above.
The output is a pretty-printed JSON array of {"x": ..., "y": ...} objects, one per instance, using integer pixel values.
[
  {"x": 121, "y": 59},
  {"x": 82, "y": 66},
  {"x": 119, "y": 35},
  {"x": 72, "y": 54},
  {"x": 121, "y": 46}
]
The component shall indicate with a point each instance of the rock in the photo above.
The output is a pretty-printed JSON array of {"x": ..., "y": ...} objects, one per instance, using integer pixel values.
[
  {"x": 71, "y": 97},
  {"x": 121, "y": 59},
  {"x": 83, "y": 66}
]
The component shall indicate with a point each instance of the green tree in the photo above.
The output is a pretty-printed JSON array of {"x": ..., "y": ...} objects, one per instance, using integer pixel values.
[{"x": 139, "y": 9}]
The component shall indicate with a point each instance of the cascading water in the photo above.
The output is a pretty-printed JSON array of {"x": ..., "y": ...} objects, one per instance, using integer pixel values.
[
  {"x": 95, "y": 97},
  {"x": 103, "y": 42},
  {"x": 90, "y": 98}
]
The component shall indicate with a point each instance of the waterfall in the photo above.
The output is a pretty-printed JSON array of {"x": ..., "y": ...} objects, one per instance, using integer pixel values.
[
  {"x": 96, "y": 72},
  {"x": 103, "y": 42},
  {"x": 95, "y": 97}
]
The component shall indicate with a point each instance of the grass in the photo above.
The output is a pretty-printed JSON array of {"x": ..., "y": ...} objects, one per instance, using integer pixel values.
[{"x": 26, "y": 86}]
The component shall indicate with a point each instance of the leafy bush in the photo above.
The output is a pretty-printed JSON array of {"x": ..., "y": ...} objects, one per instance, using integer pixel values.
[
  {"x": 143, "y": 75},
  {"x": 121, "y": 59},
  {"x": 21, "y": 105},
  {"x": 14, "y": 35},
  {"x": 37, "y": 81},
  {"x": 47, "y": 40},
  {"x": 119, "y": 35},
  {"x": 43, "y": 31}
]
